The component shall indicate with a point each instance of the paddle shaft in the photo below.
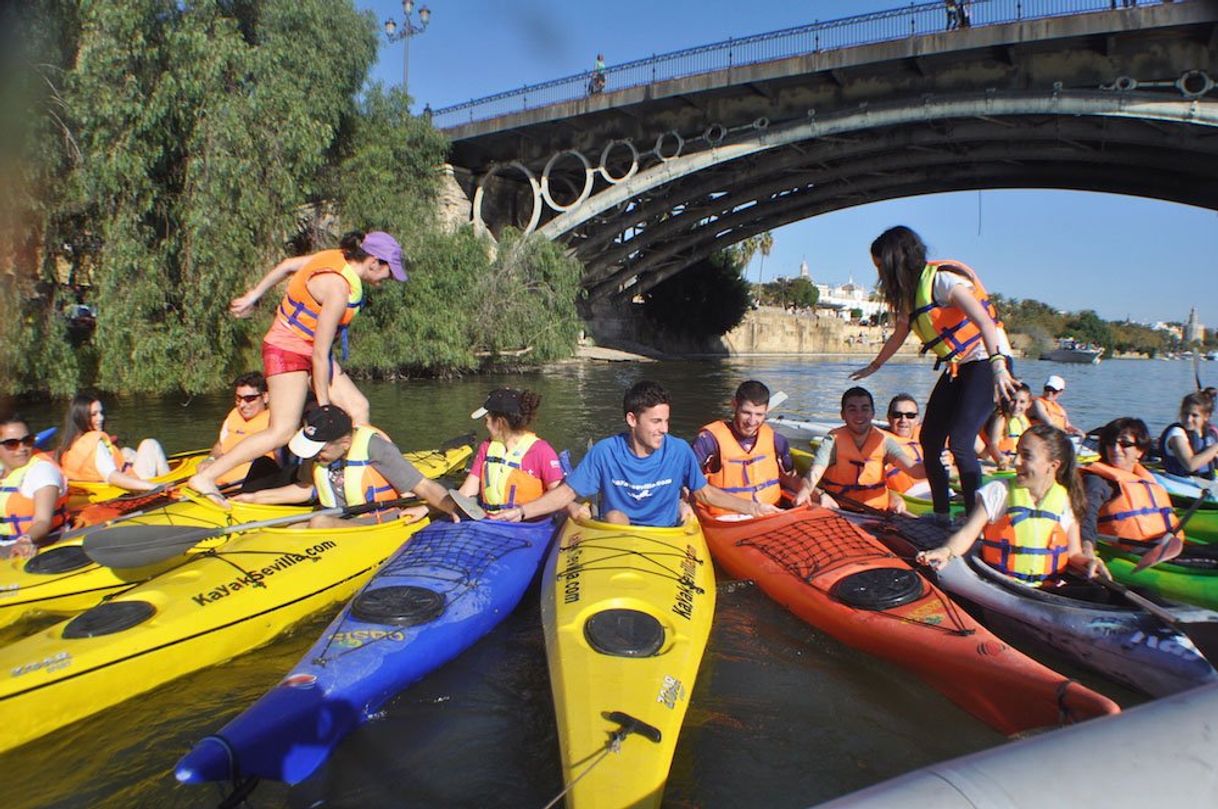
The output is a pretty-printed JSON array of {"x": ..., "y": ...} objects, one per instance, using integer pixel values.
[{"x": 1165, "y": 549}]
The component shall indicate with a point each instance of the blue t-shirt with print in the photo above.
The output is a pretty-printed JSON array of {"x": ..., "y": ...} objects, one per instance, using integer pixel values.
[{"x": 647, "y": 490}]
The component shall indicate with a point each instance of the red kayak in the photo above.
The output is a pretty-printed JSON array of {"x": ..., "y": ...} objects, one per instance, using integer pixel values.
[{"x": 840, "y": 579}]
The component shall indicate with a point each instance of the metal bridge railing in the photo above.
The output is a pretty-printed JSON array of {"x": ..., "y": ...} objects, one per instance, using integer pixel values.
[{"x": 881, "y": 26}]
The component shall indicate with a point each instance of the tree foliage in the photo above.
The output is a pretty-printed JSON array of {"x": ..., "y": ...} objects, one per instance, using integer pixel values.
[
  {"x": 789, "y": 293},
  {"x": 706, "y": 299},
  {"x": 1045, "y": 325}
]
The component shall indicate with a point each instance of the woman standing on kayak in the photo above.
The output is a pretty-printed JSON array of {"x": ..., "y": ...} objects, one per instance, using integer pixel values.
[
  {"x": 323, "y": 297},
  {"x": 1123, "y": 499},
  {"x": 88, "y": 453},
  {"x": 513, "y": 466},
  {"x": 1029, "y": 527},
  {"x": 946, "y": 306}
]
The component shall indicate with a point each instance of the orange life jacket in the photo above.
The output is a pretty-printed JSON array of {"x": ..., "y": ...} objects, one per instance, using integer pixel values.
[
  {"x": 1055, "y": 412},
  {"x": 753, "y": 475},
  {"x": 897, "y": 478},
  {"x": 1028, "y": 542},
  {"x": 503, "y": 482},
  {"x": 79, "y": 461},
  {"x": 1140, "y": 511},
  {"x": 17, "y": 510},
  {"x": 237, "y": 429},
  {"x": 946, "y": 331},
  {"x": 361, "y": 482},
  {"x": 299, "y": 310},
  {"x": 857, "y": 473}
]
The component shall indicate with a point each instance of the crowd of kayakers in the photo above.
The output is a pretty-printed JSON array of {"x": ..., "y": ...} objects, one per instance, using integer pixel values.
[{"x": 301, "y": 431}]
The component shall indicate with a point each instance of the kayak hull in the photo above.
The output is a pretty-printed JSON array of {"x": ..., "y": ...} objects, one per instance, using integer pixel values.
[
  {"x": 1193, "y": 584},
  {"x": 627, "y": 613},
  {"x": 208, "y": 609},
  {"x": 473, "y": 573},
  {"x": 814, "y": 562},
  {"x": 1126, "y": 645}
]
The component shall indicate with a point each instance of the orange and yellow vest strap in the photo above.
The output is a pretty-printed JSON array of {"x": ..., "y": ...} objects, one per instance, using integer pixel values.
[
  {"x": 1015, "y": 427},
  {"x": 237, "y": 429},
  {"x": 897, "y": 478},
  {"x": 1141, "y": 510},
  {"x": 857, "y": 473},
  {"x": 17, "y": 510},
  {"x": 361, "y": 482},
  {"x": 753, "y": 475},
  {"x": 1055, "y": 412},
  {"x": 1028, "y": 542},
  {"x": 78, "y": 462},
  {"x": 503, "y": 482},
  {"x": 299, "y": 310},
  {"x": 945, "y": 330}
]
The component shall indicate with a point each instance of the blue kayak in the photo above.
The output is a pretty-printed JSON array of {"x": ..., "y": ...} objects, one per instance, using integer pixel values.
[{"x": 442, "y": 591}]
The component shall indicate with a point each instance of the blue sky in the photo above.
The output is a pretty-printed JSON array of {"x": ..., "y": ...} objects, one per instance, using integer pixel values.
[{"x": 1122, "y": 256}]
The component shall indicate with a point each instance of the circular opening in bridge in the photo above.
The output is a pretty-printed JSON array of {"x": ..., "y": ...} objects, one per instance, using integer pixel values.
[
  {"x": 761, "y": 124},
  {"x": 1126, "y": 83},
  {"x": 611, "y": 163},
  {"x": 1194, "y": 84},
  {"x": 502, "y": 195},
  {"x": 678, "y": 143},
  {"x": 714, "y": 134},
  {"x": 576, "y": 179}
]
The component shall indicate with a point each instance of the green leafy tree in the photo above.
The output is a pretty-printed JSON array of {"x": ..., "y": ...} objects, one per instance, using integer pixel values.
[{"x": 706, "y": 299}]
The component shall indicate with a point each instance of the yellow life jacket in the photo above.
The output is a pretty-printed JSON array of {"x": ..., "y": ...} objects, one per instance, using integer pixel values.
[
  {"x": 1028, "y": 542},
  {"x": 17, "y": 510},
  {"x": 504, "y": 484},
  {"x": 945, "y": 330},
  {"x": 361, "y": 482}
]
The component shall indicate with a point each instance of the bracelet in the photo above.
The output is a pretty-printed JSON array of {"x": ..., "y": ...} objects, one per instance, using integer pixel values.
[{"x": 999, "y": 358}]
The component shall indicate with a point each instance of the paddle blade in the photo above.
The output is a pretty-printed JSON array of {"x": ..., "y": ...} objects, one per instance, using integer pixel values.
[
  {"x": 1204, "y": 635},
  {"x": 1164, "y": 550},
  {"x": 467, "y": 506},
  {"x": 139, "y": 545}
]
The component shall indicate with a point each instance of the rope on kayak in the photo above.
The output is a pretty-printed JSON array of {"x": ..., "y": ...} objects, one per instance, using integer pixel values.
[
  {"x": 241, "y": 787},
  {"x": 627, "y": 725},
  {"x": 657, "y": 568}
]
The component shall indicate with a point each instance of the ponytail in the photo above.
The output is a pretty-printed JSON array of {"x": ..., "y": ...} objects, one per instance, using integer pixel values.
[{"x": 352, "y": 245}]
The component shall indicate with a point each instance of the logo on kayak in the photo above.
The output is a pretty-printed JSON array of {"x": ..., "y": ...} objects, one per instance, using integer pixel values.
[
  {"x": 255, "y": 578},
  {"x": 570, "y": 587},
  {"x": 929, "y": 613},
  {"x": 359, "y": 637},
  {"x": 671, "y": 690},
  {"x": 299, "y": 681},
  {"x": 686, "y": 589},
  {"x": 9, "y": 589},
  {"x": 59, "y": 660}
]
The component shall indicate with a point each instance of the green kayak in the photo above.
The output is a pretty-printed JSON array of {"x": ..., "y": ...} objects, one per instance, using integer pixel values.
[
  {"x": 1203, "y": 525},
  {"x": 1192, "y": 580}
]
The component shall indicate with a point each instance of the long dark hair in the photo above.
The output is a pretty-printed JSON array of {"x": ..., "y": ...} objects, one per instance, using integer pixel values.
[
  {"x": 76, "y": 423},
  {"x": 530, "y": 402},
  {"x": 901, "y": 256},
  {"x": 1061, "y": 450}
]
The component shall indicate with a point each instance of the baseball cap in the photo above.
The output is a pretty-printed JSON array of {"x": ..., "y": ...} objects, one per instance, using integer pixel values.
[
  {"x": 1055, "y": 382},
  {"x": 322, "y": 425},
  {"x": 380, "y": 244},
  {"x": 502, "y": 400}
]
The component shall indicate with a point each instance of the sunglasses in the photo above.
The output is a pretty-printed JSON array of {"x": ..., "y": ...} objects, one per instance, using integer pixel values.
[
  {"x": 899, "y": 415},
  {"x": 13, "y": 444},
  {"x": 1120, "y": 442},
  {"x": 252, "y": 397}
]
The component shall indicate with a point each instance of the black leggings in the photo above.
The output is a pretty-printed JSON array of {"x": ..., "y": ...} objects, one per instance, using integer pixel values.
[{"x": 958, "y": 408}]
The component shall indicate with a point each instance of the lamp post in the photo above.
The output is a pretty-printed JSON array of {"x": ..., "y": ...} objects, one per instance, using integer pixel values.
[{"x": 408, "y": 29}]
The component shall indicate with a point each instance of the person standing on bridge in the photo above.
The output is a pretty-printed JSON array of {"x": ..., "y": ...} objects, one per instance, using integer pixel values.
[
  {"x": 953, "y": 14},
  {"x": 946, "y": 306},
  {"x": 596, "y": 84}
]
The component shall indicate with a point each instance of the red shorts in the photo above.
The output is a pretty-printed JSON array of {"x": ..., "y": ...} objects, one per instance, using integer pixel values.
[{"x": 276, "y": 360}]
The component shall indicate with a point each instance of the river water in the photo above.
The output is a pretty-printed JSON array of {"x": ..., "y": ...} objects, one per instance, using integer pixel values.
[{"x": 781, "y": 716}]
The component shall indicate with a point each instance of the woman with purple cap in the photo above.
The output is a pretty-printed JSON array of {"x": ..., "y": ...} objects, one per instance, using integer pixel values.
[{"x": 325, "y": 293}]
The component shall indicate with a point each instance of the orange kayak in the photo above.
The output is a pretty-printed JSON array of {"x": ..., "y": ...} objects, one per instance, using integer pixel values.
[{"x": 840, "y": 579}]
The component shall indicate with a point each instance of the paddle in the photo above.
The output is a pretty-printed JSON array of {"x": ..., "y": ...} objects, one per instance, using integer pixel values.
[
  {"x": 467, "y": 506},
  {"x": 139, "y": 545},
  {"x": 43, "y": 436},
  {"x": 776, "y": 400},
  {"x": 1170, "y": 545},
  {"x": 1203, "y": 634}
]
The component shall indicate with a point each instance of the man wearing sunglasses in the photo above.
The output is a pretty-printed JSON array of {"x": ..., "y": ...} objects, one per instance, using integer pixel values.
[
  {"x": 903, "y": 423},
  {"x": 250, "y": 415},
  {"x": 33, "y": 493}
]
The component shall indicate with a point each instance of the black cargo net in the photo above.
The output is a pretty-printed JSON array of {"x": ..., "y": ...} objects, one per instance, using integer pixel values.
[{"x": 636, "y": 552}]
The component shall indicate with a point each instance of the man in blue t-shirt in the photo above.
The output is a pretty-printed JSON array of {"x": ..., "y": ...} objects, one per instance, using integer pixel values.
[{"x": 639, "y": 474}]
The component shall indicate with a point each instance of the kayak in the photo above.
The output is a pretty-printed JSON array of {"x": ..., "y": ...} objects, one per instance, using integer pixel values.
[
  {"x": 208, "y": 609},
  {"x": 449, "y": 585},
  {"x": 181, "y": 467},
  {"x": 1193, "y": 580},
  {"x": 836, "y": 577},
  {"x": 1124, "y": 644},
  {"x": 62, "y": 580},
  {"x": 1188, "y": 488},
  {"x": 1158, "y": 754},
  {"x": 626, "y": 611}
]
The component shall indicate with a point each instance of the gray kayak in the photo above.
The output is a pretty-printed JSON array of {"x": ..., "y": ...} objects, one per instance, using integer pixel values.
[
  {"x": 1125, "y": 644},
  {"x": 1158, "y": 754}
]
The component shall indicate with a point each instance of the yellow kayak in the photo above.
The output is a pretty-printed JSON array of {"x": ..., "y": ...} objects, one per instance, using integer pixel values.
[
  {"x": 62, "y": 580},
  {"x": 627, "y": 612},
  {"x": 208, "y": 609},
  {"x": 181, "y": 467}
]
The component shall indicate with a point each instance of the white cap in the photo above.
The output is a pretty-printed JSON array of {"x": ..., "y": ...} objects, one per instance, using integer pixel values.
[{"x": 1055, "y": 382}]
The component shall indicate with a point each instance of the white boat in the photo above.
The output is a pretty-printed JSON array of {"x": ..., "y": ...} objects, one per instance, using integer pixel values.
[{"x": 1069, "y": 350}]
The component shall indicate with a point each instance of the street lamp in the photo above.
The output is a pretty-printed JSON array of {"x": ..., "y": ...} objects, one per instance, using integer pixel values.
[{"x": 409, "y": 29}]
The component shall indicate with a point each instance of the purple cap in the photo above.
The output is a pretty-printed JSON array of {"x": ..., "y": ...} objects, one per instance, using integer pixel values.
[{"x": 380, "y": 244}]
